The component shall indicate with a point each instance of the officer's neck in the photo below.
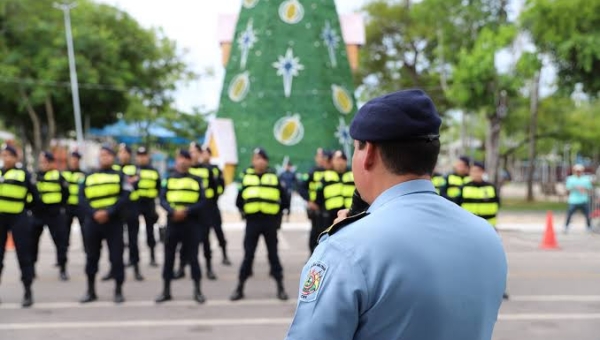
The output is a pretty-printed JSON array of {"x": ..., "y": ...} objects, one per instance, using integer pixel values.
[
  {"x": 382, "y": 181},
  {"x": 260, "y": 171}
]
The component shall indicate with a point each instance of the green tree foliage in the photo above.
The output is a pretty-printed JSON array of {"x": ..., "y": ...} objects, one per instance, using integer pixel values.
[
  {"x": 117, "y": 60},
  {"x": 568, "y": 31}
]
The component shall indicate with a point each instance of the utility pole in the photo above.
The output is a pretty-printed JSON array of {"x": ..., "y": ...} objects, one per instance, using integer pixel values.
[{"x": 66, "y": 8}]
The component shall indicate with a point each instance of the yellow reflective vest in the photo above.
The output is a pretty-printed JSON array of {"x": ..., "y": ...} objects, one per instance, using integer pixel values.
[
  {"x": 181, "y": 192},
  {"x": 102, "y": 189},
  {"x": 149, "y": 182},
  {"x": 337, "y": 189},
  {"x": 13, "y": 191},
  {"x": 348, "y": 188},
  {"x": 131, "y": 171},
  {"x": 205, "y": 173},
  {"x": 439, "y": 182},
  {"x": 260, "y": 194},
  {"x": 314, "y": 183},
  {"x": 74, "y": 178},
  {"x": 481, "y": 199},
  {"x": 453, "y": 184},
  {"x": 49, "y": 187}
]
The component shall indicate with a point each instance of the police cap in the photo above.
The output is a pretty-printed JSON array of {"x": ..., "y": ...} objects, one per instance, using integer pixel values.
[
  {"x": 402, "y": 115},
  {"x": 341, "y": 154},
  {"x": 262, "y": 153},
  {"x": 109, "y": 149},
  {"x": 10, "y": 149},
  {"x": 185, "y": 154},
  {"x": 125, "y": 147},
  {"x": 207, "y": 149},
  {"x": 48, "y": 156},
  {"x": 479, "y": 165},
  {"x": 141, "y": 151},
  {"x": 76, "y": 154},
  {"x": 465, "y": 160}
]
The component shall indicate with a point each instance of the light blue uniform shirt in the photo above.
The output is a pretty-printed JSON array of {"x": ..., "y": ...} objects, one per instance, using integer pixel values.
[
  {"x": 575, "y": 196},
  {"x": 418, "y": 267}
]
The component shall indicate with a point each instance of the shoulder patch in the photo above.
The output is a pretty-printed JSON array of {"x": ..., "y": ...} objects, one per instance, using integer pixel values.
[{"x": 313, "y": 282}]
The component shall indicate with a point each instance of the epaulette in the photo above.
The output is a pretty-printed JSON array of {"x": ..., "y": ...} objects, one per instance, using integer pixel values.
[{"x": 343, "y": 223}]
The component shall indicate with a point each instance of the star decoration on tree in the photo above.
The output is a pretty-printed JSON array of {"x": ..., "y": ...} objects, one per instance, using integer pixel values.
[
  {"x": 343, "y": 135},
  {"x": 246, "y": 41},
  {"x": 331, "y": 40},
  {"x": 288, "y": 67}
]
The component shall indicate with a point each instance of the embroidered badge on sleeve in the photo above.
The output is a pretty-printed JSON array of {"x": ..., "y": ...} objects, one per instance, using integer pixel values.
[{"x": 313, "y": 282}]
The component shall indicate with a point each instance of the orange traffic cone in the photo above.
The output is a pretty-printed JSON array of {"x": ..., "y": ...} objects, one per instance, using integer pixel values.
[
  {"x": 10, "y": 244},
  {"x": 549, "y": 241}
]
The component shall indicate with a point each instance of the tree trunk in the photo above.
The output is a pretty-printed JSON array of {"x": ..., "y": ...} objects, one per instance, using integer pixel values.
[
  {"x": 51, "y": 122},
  {"x": 35, "y": 121},
  {"x": 534, "y": 98},
  {"x": 492, "y": 148}
]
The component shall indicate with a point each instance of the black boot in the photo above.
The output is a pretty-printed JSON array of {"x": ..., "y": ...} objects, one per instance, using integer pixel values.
[
  {"x": 153, "y": 258},
  {"x": 63, "y": 273},
  {"x": 166, "y": 293},
  {"x": 238, "y": 293},
  {"x": 27, "y": 297},
  {"x": 136, "y": 270},
  {"x": 197, "y": 293},
  {"x": 281, "y": 294},
  {"x": 179, "y": 274},
  {"x": 90, "y": 295},
  {"x": 226, "y": 261},
  {"x": 505, "y": 296},
  {"x": 209, "y": 273},
  {"x": 108, "y": 276},
  {"x": 119, "y": 294}
]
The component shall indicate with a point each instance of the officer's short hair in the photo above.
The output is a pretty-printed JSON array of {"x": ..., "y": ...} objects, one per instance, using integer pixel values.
[{"x": 417, "y": 157}]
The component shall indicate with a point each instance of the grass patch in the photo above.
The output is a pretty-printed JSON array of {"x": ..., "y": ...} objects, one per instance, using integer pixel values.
[{"x": 517, "y": 204}]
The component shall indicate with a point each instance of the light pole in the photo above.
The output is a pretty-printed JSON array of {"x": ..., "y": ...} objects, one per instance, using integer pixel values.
[{"x": 66, "y": 8}]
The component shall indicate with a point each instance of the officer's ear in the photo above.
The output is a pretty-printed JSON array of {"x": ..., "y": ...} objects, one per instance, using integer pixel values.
[{"x": 370, "y": 155}]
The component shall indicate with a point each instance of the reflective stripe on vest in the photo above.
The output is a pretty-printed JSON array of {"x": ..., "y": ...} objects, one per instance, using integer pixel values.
[
  {"x": 204, "y": 173},
  {"x": 438, "y": 182},
  {"x": 333, "y": 190},
  {"x": 481, "y": 202},
  {"x": 147, "y": 184},
  {"x": 313, "y": 186},
  {"x": 261, "y": 194},
  {"x": 13, "y": 191},
  {"x": 182, "y": 192},
  {"x": 74, "y": 178},
  {"x": 49, "y": 187},
  {"x": 217, "y": 175},
  {"x": 348, "y": 188},
  {"x": 454, "y": 183},
  {"x": 102, "y": 190},
  {"x": 131, "y": 170}
]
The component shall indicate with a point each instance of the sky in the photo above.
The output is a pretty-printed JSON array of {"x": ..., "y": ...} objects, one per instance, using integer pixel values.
[{"x": 193, "y": 25}]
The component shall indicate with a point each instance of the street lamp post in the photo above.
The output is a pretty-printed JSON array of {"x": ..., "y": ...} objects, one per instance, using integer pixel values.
[{"x": 66, "y": 8}]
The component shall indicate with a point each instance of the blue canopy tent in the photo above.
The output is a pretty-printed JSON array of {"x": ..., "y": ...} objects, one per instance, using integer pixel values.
[{"x": 133, "y": 133}]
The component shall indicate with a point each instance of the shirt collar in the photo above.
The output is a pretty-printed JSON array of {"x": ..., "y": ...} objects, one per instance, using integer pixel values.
[{"x": 402, "y": 189}]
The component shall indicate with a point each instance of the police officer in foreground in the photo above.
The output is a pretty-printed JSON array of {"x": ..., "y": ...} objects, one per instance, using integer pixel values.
[
  {"x": 182, "y": 197},
  {"x": 54, "y": 194},
  {"x": 148, "y": 190},
  {"x": 74, "y": 176},
  {"x": 103, "y": 196},
  {"x": 15, "y": 186},
  {"x": 458, "y": 178},
  {"x": 260, "y": 199},
  {"x": 414, "y": 265}
]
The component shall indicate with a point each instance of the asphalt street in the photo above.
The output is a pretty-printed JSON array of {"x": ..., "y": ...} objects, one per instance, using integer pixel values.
[{"x": 554, "y": 294}]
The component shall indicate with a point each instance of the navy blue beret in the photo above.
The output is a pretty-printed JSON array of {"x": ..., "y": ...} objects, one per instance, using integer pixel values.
[
  {"x": 262, "y": 153},
  {"x": 48, "y": 156},
  {"x": 76, "y": 154},
  {"x": 327, "y": 154},
  {"x": 109, "y": 149},
  {"x": 402, "y": 115},
  {"x": 479, "y": 165},
  {"x": 10, "y": 149},
  {"x": 340, "y": 153},
  {"x": 185, "y": 154}
]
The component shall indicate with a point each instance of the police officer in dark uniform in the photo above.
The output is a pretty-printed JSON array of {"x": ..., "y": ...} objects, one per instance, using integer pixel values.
[
  {"x": 148, "y": 190},
  {"x": 335, "y": 190},
  {"x": 15, "y": 186},
  {"x": 316, "y": 204},
  {"x": 131, "y": 215},
  {"x": 74, "y": 176},
  {"x": 260, "y": 200},
  {"x": 216, "y": 222},
  {"x": 439, "y": 182},
  {"x": 103, "y": 196},
  {"x": 457, "y": 179},
  {"x": 54, "y": 194},
  {"x": 182, "y": 197}
]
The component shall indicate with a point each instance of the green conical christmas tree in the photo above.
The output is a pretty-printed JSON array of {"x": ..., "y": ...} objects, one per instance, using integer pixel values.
[{"x": 288, "y": 84}]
